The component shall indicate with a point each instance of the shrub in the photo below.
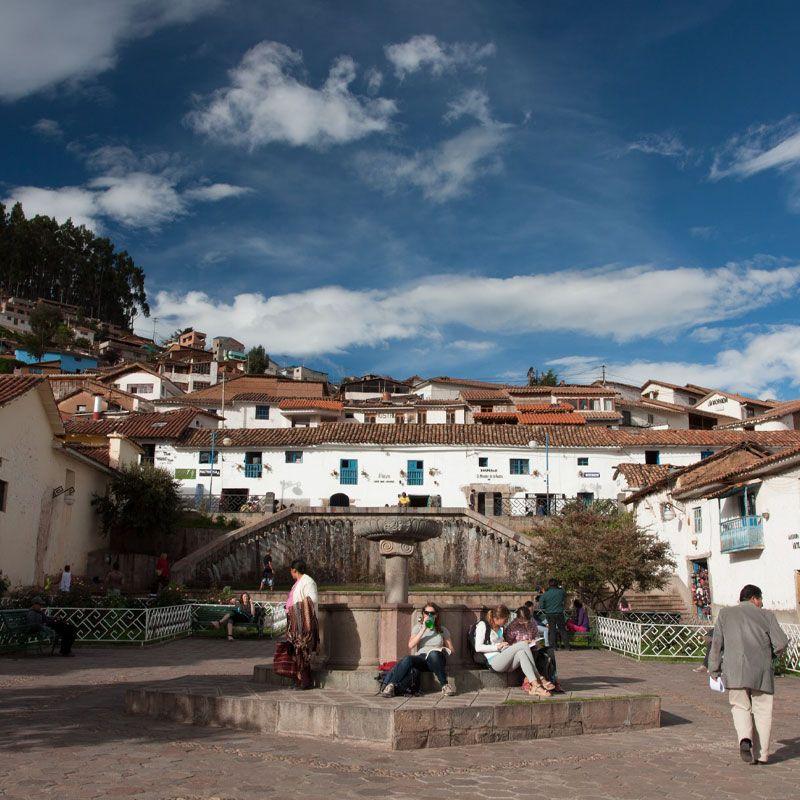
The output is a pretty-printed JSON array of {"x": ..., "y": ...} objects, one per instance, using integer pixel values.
[{"x": 172, "y": 595}]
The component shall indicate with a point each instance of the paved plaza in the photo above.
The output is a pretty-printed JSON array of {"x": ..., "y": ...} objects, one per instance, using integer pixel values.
[{"x": 63, "y": 735}]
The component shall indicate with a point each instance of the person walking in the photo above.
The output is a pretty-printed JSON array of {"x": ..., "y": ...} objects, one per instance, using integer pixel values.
[
  {"x": 551, "y": 603},
  {"x": 268, "y": 575},
  {"x": 746, "y": 640},
  {"x": 66, "y": 579}
]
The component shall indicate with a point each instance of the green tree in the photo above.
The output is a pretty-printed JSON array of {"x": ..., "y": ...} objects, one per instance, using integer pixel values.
[
  {"x": 257, "y": 360},
  {"x": 141, "y": 503},
  {"x": 45, "y": 322},
  {"x": 548, "y": 378},
  {"x": 599, "y": 552},
  {"x": 63, "y": 337}
]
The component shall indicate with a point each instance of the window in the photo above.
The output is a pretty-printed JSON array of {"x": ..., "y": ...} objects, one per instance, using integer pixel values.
[
  {"x": 587, "y": 498},
  {"x": 483, "y": 461},
  {"x": 698, "y": 520},
  {"x": 583, "y": 461},
  {"x": 583, "y": 404},
  {"x": 262, "y": 412},
  {"x": 370, "y": 419},
  {"x": 415, "y": 475},
  {"x": 626, "y": 417},
  {"x": 349, "y": 415},
  {"x": 348, "y": 471},
  {"x": 140, "y": 388},
  {"x": 200, "y": 385},
  {"x": 608, "y": 405},
  {"x": 519, "y": 466},
  {"x": 450, "y": 417},
  {"x": 749, "y": 411},
  {"x": 400, "y": 419},
  {"x": 652, "y": 457},
  {"x": 422, "y": 417},
  {"x": 3, "y": 495},
  {"x": 294, "y": 456},
  {"x": 706, "y": 454},
  {"x": 205, "y": 457},
  {"x": 650, "y": 419},
  {"x": 80, "y": 408}
]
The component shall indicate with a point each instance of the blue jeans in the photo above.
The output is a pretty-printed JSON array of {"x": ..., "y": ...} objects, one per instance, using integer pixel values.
[{"x": 432, "y": 662}]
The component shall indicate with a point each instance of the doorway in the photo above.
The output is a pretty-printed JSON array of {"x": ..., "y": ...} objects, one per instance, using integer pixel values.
[
  {"x": 701, "y": 588},
  {"x": 233, "y": 499},
  {"x": 419, "y": 500},
  {"x": 339, "y": 500}
]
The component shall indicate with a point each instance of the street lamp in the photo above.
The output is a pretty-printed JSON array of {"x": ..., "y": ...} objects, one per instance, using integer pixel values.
[{"x": 227, "y": 443}]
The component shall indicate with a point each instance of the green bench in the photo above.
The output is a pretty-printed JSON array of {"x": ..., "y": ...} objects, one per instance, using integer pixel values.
[
  {"x": 15, "y": 633},
  {"x": 204, "y": 615}
]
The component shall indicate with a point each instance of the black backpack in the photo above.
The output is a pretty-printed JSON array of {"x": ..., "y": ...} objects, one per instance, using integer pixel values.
[{"x": 478, "y": 658}]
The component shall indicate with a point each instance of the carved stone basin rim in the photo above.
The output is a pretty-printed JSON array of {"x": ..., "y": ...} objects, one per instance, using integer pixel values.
[{"x": 398, "y": 529}]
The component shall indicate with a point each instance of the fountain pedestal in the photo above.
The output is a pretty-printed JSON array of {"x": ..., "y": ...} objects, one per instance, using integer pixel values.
[{"x": 397, "y": 540}]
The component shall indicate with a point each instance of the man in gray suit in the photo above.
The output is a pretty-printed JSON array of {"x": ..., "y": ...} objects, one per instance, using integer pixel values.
[{"x": 746, "y": 639}]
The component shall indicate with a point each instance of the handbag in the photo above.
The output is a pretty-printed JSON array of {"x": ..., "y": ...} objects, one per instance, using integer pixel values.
[{"x": 283, "y": 662}]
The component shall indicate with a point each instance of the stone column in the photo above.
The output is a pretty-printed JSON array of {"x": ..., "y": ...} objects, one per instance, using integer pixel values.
[{"x": 396, "y": 555}]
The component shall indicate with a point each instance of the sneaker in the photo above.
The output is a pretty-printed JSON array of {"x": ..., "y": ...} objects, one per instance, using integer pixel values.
[
  {"x": 448, "y": 690},
  {"x": 746, "y": 751},
  {"x": 388, "y": 690}
]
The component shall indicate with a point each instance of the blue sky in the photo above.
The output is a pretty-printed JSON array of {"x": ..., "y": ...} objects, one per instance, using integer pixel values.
[{"x": 464, "y": 188}]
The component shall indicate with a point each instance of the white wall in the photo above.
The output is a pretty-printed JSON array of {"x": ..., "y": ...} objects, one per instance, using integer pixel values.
[
  {"x": 772, "y": 569},
  {"x": 65, "y": 528},
  {"x": 720, "y": 404},
  {"x": 161, "y": 388},
  {"x": 456, "y": 468}
]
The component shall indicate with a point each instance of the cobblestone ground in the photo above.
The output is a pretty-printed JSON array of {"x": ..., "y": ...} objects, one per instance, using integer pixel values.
[{"x": 63, "y": 735}]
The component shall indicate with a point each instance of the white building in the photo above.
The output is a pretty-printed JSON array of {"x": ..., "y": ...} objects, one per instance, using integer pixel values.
[
  {"x": 46, "y": 488},
  {"x": 141, "y": 380},
  {"x": 511, "y": 468},
  {"x": 781, "y": 417},
  {"x": 731, "y": 520}
]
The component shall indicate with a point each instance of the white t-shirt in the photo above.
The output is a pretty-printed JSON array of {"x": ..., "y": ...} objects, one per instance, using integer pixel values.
[{"x": 66, "y": 581}]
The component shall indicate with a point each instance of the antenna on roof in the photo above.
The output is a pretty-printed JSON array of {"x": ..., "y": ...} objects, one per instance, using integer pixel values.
[{"x": 604, "y": 374}]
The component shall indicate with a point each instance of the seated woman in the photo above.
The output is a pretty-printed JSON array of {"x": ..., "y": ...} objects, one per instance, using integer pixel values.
[
  {"x": 580, "y": 619},
  {"x": 502, "y": 656},
  {"x": 525, "y": 629},
  {"x": 429, "y": 640},
  {"x": 244, "y": 612}
]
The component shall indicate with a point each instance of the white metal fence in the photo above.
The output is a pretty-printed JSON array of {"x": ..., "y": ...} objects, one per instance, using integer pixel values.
[
  {"x": 146, "y": 625},
  {"x": 646, "y": 640}
]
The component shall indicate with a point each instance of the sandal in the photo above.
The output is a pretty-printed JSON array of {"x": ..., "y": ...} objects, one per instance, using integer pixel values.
[
  {"x": 230, "y": 638},
  {"x": 549, "y": 685},
  {"x": 539, "y": 691}
]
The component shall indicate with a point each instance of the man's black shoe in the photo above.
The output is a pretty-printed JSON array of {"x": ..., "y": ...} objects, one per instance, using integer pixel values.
[{"x": 746, "y": 751}]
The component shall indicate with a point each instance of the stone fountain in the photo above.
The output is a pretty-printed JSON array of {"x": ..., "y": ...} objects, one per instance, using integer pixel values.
[{"x": 397, "y": 539}]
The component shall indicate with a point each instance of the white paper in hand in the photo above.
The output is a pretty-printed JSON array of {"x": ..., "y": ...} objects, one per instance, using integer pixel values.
[{"x": 716, "y": 684}]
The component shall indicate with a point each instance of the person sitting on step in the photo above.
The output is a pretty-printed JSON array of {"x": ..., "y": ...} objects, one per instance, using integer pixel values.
[
  {"x": 431, "y": 643},
  {"x": 524, "y": 629},
  {"x": 243, "y": 613},
  {"x": 502, "y": 656}
]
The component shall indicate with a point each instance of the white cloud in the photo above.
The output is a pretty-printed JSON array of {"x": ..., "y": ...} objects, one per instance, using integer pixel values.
[
  {"x": 668, "y": 145},
  {"x": 761, "y": 362},
  {"x": 759, "y": 148},
  {"x": 374, "y": 80},
  {"x": 216, "y": 191},
  {"x": 47, "y": 128},
  {"x": 44, "y": 43},
  {"x": 125, "y": 192},
  {"x": 449, "y": 169},
  {"x": 266, "y": 102},
  {"x": 427, "y": 51},
  {"x": 706, "y": 232},
  {"x": 593, "y": 302}
]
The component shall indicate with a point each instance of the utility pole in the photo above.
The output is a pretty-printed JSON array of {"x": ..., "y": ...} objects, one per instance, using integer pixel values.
[
  {"x": 604, "y": 374},
  {"x": 155, "y": 319}
]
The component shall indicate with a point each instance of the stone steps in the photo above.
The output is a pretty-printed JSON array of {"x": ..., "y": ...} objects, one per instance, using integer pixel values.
[{"x": 398, "y": 723}]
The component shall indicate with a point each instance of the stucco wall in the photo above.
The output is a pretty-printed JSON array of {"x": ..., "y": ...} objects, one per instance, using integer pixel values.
[{"x": 39, "y": 533}]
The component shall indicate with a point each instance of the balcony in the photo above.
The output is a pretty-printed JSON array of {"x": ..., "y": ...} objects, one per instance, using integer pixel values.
[
  {"x": 252, "y": 470},
  {"x": 741, "y": 533},
  {"x": 348, "y": 476},
  {"x": 415, "y": 477}
]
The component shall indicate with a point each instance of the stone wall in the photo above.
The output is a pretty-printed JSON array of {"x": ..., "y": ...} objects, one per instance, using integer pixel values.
[{"x": 463, "y": 554}]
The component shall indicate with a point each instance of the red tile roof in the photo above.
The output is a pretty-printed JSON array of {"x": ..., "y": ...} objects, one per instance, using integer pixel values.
[
  {"x": 154, "y": 425},
  {"x": 545, "y": 408},
  {"x": 99, "y": 454},
  {"x": 548, "y": 418},
  {"x": 566, "y": 390},
  {"x": 14, "y": 386},
  {"x": 311, "y": 404},
  {"x": 780, "y": 410},
  {"x": 590, "y": 413},
  {"x": 498, "y": 395},
  {"x": 509, "y": 417},
  {"x": 638, "y": 476},
  {"x": 250, "y": 385},
  {"x": 464, "y": 382},
  {"x": 740, "y": 398}
]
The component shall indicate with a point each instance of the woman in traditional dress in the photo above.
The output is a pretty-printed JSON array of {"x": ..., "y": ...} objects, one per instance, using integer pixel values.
[{"x": 302, "y": 621}]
